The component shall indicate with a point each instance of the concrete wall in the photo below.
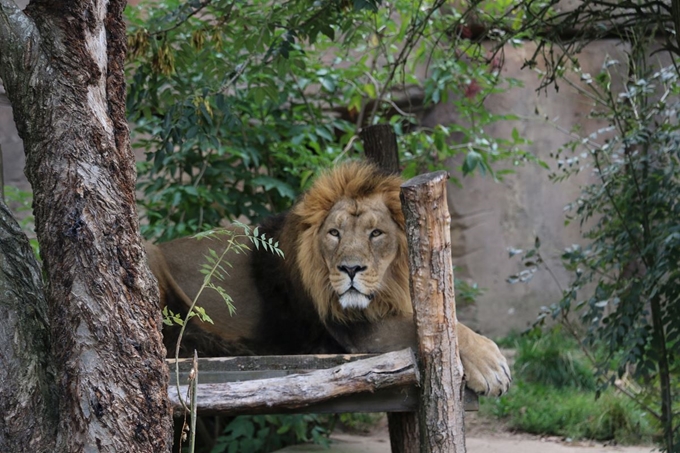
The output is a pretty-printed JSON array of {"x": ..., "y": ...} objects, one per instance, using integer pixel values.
[{"x": 489, "y": 217}]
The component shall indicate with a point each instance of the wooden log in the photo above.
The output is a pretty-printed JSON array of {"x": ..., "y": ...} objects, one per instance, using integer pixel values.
[
  {"x": 404, "y": 432},
  {"x": 397, "y": 400},
  {"x": 380, "y": 147},
  {"x": 440, "y": 415},
  {"x": 299, "y": 390}
]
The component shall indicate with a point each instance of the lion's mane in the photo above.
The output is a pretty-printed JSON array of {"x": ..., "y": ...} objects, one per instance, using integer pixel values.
[{"x": 352, "y": 180}]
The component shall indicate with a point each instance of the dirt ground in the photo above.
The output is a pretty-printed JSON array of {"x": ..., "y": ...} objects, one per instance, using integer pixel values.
[{"x": 481, "y": 437}]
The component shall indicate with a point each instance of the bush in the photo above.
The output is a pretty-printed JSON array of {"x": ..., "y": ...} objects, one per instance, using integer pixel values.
[
  {"x": 572, "y": 413},
  {"x": 555, "y": 394},
  {"x": 552, "y": 359},
  {"x": 266, "y": 433}
]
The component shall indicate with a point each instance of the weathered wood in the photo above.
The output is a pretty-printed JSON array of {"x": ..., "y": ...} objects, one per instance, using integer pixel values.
[
  {"x": 404, "y": 432},
  {"x": 440, "y": 415},
  {"x": 282, "y": 363},
  {"x": 380, "y": 147},
  {"x": 275, "y": 395},
  {"x": 62, "y": 67},
  {"x": 397, "y": 399},
  {"x": 28, "y": 391}
]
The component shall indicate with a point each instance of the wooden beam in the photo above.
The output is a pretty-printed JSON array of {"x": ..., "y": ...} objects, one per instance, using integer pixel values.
[
  {"x": 397, "y": 399},
  {"x": 280, "y": 394},
  {"x": 441, "y": 413}
]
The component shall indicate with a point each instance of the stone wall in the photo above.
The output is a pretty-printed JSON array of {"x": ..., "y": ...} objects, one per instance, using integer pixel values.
[{"x": 489, "y": 217}]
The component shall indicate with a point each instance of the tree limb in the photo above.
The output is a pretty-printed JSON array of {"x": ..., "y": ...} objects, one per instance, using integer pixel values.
[{"x": 18, "y": 36}]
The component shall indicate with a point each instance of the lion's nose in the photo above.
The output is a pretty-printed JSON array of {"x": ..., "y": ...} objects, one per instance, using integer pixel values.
[{"x": 351, "y": 270}]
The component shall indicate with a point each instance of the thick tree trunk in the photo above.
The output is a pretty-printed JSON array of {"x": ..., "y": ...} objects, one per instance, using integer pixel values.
[
  {"x": 28, "y": 409},
  {"x": 62, "y": 65},
  {"x": 2, "y": 179}
]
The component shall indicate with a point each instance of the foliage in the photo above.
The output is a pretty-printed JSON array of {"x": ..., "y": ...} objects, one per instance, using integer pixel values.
[
  {"x": 214, "y": 269},
  {"x": 360, "y": 422},
  {"x": 626, "y": 283},
  {"x": 266, "y": 433},
  {"x": 467, "y": 291},
  {"x": 571, "y": 413},
  {"x": 552, "y": 359},
  {"x": 238, "y": 104},
  {"x": 634, "y": 250},
  {"x": 553, "y": 393}
]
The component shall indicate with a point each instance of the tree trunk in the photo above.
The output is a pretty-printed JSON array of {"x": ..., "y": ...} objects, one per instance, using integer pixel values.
[
  {"x": 28, "y": 416},
  {"x": 62, "y": 65},
  {"x": 2, "y": 179},
  {"x": 441, "y": 410}
]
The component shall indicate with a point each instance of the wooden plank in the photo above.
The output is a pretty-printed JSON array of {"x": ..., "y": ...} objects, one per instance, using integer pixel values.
[{"x": 236, "y": 369}]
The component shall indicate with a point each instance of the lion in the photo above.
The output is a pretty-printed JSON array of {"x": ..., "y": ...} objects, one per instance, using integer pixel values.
[{"x": 342, "y": 287}]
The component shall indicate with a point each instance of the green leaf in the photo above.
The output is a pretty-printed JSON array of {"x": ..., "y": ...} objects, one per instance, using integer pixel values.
[
  {"x": 269, "y": 183},
  {"x": 328, "y": 83},
  {"x": 472, "y": 160},
  {"x": 369, "y": 5}
]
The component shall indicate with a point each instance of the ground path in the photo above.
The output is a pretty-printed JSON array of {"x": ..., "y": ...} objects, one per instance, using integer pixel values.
[{"x": 481, "y": 438}]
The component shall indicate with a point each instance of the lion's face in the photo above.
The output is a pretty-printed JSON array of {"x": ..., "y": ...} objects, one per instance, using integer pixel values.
[
  {"x": 358, "y": 242},
  {"x": 351, "y": 251}
]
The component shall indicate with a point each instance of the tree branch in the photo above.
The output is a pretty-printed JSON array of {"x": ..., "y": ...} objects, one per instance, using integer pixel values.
[{"x": 18, "y": 36}]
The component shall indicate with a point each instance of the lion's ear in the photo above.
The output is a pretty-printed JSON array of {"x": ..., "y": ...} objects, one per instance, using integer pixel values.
[
  {"x": 393, "y": 203},
  {"x": 309, "y": 211}
]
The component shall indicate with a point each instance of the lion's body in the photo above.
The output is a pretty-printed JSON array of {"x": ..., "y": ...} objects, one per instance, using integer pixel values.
[
  {"x": 342, "y": 287},
  {"x": 270, "y": 312}
]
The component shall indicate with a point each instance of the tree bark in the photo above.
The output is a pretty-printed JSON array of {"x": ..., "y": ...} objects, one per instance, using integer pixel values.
[
  {"x": 62, "y": 65},
  {"x": 28, "y": 416},
  {"x": 441, "y": 411},
  {"x": 2, "y": 179},
  {"x": 299, "y": 390}
]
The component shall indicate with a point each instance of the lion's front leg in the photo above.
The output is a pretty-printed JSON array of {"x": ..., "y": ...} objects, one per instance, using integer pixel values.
[{"x": 486, "y": 370}]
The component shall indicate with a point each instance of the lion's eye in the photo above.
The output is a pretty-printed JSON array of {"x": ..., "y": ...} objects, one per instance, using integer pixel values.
[
  {"x": 376, "y": 233},
  {"x": 334, "y": 232}
]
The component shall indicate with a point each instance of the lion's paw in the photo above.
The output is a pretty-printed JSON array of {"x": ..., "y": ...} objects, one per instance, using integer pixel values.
[{"x": 486, "y": 370}]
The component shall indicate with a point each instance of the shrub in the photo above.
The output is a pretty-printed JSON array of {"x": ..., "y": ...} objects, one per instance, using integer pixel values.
[
  {"x": 552, "y": 359},
  {"x": 555, "y": 394}
]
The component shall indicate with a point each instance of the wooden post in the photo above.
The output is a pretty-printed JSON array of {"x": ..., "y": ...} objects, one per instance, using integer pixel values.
[
  {"x": 380, "y": 147},
  {"x": 441, "y": 411}
]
